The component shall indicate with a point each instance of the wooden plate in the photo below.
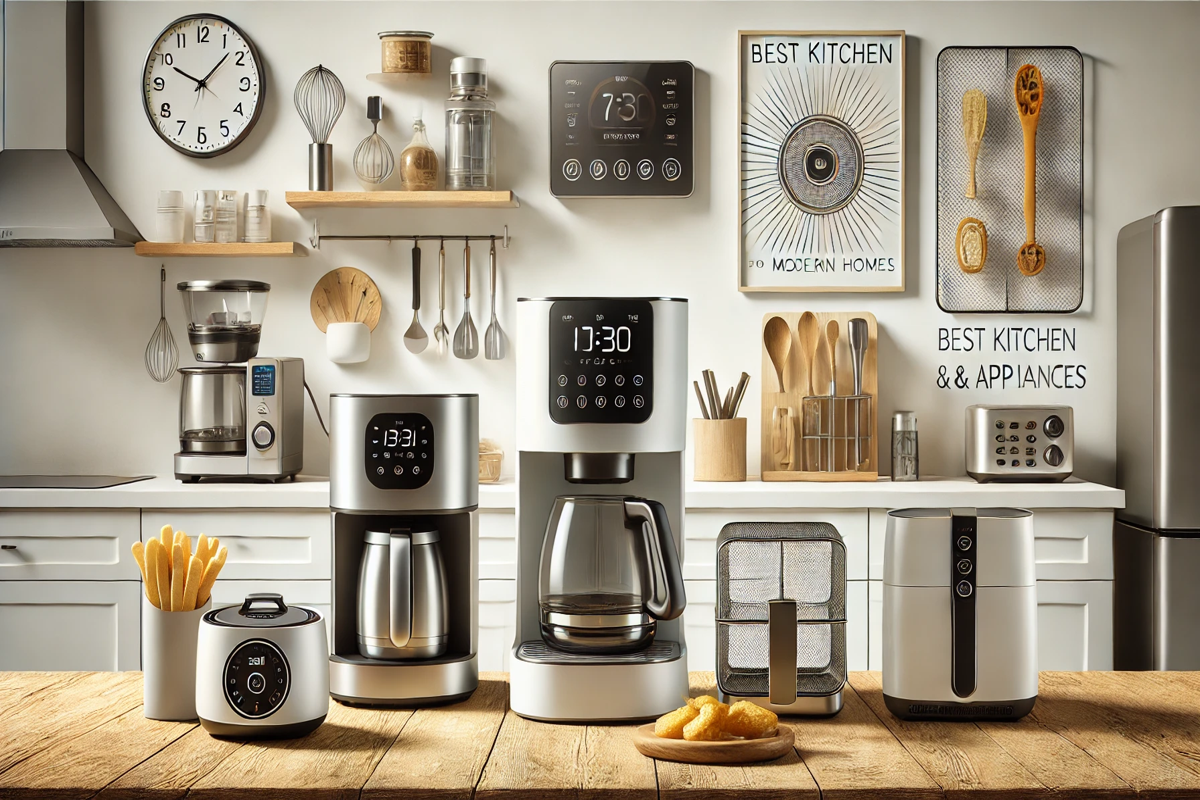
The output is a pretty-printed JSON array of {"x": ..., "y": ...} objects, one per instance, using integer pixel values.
[
  {"x": 734, "y": 751},
  {"x": 336, "y": 298}
]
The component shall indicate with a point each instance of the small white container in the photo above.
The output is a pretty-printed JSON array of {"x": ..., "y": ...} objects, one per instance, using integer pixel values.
[
  {"x": 169, "y": 661},
  {"x": 348, "y": 342},
  {"x": 169, "y": 221},
  {"x": 257, "y": 221},
  {"x": 204, "y": 220},
  {"x": 225, "y": 228}
]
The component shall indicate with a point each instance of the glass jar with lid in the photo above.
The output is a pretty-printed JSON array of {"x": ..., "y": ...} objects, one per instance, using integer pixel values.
[
  {"x": 470, "y": 144},
  {"x": 224, "y": 318}
]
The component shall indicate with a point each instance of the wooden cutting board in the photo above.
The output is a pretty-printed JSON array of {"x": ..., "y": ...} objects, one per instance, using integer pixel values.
[
  {"x": 336, "y": 298},
  {"x": 732, "y": 751}
]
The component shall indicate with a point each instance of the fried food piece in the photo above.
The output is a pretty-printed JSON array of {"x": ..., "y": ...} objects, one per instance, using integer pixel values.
[
  {"x": 705, "y": 700},
  {"x": 670, "y": 726},
  {"x": 750, "y": 721},
  {"x": 709, "y": 725}
]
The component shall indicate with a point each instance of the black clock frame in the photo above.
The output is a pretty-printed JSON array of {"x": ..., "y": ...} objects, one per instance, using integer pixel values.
[{"x": 262, "y": 82}]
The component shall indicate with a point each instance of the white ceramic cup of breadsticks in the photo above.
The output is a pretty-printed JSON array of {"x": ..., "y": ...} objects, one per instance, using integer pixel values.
[{"x": 177, "y": 582}]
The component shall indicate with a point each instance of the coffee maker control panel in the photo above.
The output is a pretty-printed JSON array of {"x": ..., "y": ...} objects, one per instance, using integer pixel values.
[
  {"x": 399, "y": 451},
  {"x": 601, "y": 361}
]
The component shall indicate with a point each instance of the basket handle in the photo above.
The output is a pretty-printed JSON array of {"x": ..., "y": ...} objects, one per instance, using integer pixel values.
[{"x": 781, "y": 633}]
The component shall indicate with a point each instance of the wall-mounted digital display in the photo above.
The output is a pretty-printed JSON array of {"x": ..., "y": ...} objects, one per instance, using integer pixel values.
[
  {"x": 601, "y": 360},
  {"x": 621, "y": 128},
  {"x": 399, "y": 451}
]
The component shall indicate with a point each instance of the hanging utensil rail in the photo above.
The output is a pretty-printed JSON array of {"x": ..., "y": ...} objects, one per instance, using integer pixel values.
[{"x": 317, "y": 237}]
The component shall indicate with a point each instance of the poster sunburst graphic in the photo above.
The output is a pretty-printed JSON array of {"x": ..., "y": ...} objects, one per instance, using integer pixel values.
[{"x": 821, "y": 162}]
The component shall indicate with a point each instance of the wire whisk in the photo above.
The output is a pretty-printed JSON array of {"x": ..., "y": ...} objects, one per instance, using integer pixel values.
[
  {"x": 373, "y": 159},
  {"x": 162, "y": 356},
  {"x": 320, "y": 98}
]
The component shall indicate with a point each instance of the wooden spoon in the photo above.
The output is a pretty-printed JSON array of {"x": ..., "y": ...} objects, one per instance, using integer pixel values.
[
  {"x": 777, "y": 337},
  {"x": 1029, "y": 93},
  {"x": 831, "y": 333},
  {"x": 809, "y": 332},
  {"x": 974, "y": 107}
]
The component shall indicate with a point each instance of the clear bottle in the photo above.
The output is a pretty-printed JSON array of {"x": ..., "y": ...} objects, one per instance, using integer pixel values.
[
  {"x": 470, "y": 145},
  {"x": 418, "y": 161},
  {"x": 205, "y": 215},
  {"x": 905, "y": 463},
  {"x": 257, "y": 227},
  {"x": 225, "y": 228}
]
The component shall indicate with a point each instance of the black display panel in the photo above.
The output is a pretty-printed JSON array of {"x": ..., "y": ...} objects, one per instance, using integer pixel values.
[
  {"x": 399, "y": 451},
  {"x": 601, "y": 361},
  {"x": 262, "y": 380},
  {"x": 256, "y": 679},
  {"x": 621, "y": 128}
]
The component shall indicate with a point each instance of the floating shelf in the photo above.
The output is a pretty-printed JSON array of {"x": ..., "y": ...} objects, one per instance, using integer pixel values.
[
  {"x": 396, "y": 78},
  {"x": 299, "y": 200},
  {"x": 213, "y": 249}
]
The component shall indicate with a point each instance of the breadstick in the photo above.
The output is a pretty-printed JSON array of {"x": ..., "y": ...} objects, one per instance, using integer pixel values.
[
  {"x": 162, "y": 558},
  {"x": 214, "y": 544},
  {"x": 167, "y": 537},
  {"x": 186, "y": 541},
  {"x": 153, "y": 551},
  {"x": 210, "y": 575},
  {"x": 139, "y": 555},
  {"x": 202, "y": 550},
  {"x": 178, "y": 576},
  {"x": 192, "y": 587}
]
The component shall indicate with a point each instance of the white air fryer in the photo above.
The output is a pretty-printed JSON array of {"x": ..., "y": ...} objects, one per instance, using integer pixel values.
[{"x": 959, "y": 614}]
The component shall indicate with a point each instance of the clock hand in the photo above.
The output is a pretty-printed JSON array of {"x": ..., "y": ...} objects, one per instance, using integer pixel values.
[
  {"x": 189, "y": 77},
  {"x": 204, "y": 80}
]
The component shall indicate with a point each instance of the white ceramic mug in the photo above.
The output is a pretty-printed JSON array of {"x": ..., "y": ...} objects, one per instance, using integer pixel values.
[
  {"x": 347, "y": 342},
  {"x": 169, "y": 661}
]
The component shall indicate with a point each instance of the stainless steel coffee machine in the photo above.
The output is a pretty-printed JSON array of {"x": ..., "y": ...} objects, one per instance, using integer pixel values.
[
  {"x": 601, "y": 416},
  {"x": 404, "y": 491},
  {"x": 242, "y": 419}
]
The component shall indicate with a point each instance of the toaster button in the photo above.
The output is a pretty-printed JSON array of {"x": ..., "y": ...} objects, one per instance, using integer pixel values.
[
  {"x": 1031, "y": 451},
  {"x": 999, "y": 451},
  {"x": 1053, "y": 456},
  {"x": 1014, "y": 438},
  {"x": 1012, "y": 451},
  {"x": 1054, "y": 426},
  {"x": 964, "y": 588},
  {"x": 1014, "y": 425},
  {"x": 1000, "y": 461},
  {"x": 999, "y": 424},
  {"x": 1000, "y": 437},
  {"x": 1031, "y": 438},
  {"x": 1016, "y": 462},
  {"x": 1031, "y": 425},
  {"x": 1029, "y": 462}
]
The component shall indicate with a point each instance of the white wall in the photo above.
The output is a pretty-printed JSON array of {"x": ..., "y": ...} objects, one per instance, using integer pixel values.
[{"x": 73, "y": 324}]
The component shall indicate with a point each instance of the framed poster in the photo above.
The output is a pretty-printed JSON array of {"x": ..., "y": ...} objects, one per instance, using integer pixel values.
[{"x": 821, "y": 164}]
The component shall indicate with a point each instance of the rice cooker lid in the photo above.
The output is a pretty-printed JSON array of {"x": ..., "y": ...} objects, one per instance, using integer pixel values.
[{"x": 262, "y": 610}]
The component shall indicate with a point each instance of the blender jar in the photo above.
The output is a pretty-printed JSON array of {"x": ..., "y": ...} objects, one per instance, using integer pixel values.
[
  {"x": 212, "y": 410},
  {"x": 224, "y": 318}
]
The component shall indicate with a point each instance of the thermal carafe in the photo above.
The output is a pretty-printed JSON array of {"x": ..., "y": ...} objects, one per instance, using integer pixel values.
[{"x": 402, "y": 596}]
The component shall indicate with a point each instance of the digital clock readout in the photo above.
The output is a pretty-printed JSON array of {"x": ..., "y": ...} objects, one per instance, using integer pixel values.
[
  {"x": 603, "y": 339},
  {"x": 621, "y": 102}
]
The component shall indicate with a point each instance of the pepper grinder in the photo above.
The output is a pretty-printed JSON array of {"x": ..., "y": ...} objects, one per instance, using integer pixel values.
[{"x": 905, "y": 463}]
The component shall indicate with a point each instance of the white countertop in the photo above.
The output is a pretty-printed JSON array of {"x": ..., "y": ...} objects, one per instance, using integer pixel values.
[{"x": 313, "y": 492}]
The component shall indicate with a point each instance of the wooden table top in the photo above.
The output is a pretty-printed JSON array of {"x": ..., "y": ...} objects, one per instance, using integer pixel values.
[{"x": 1092, "y": 734}]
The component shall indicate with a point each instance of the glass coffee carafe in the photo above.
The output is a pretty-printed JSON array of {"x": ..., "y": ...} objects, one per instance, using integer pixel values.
[
  {"x": 609, "y": 571},
  {"x": 212, "y": 410}
]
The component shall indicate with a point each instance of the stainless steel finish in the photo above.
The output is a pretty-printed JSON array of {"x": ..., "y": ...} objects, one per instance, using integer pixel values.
[
  {"x": 49, "y": 197},
  {"x": 466, "y": 340},
  {"x": 906, "y": 462},
  {"x": 493, "y": 337},
  {"x": 162, "y": 354},
  {"x": 781, "y": 632},
  {"x": 455, "y": 481},
  {"x": 542, "y": 653},
  {"x": 359, "y": 681},
  {"x": 982, "y": 445},
  {"x": 320, "y": 167},
  {"x": 808, "y": 706},
  {"x": 236, "y": 285},
  {"x": 224, "y": 347},
  {"x": 441, "y": 334},
  {"x": 1155, "y": 597},
  {"x": 595, "y": 620},
  {"x": 212, "y": 410},
  {"x": 402, "y": 596},
  {"x": 599, "y": 467},
  {"x": 319, "y": 98}
]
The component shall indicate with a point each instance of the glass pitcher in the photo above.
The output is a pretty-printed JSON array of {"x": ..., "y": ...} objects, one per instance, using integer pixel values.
[{"x": 609, "y": 571}]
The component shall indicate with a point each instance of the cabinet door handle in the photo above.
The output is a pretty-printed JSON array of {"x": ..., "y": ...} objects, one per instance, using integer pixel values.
[{"x": 8, "y": 547}]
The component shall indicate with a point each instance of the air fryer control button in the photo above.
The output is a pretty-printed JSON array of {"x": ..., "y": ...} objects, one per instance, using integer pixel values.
[
  {"x": 1053, "y": 456},
  {"x": 964, "y": 543},
  {"x": 256, "y": 683},
  {"x": 964, "y": 566},
  {"x": 964, "y": 588},
  {"x": 1054, "y": 426}
]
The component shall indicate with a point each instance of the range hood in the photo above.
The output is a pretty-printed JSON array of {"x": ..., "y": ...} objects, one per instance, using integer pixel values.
[{"x": 49, "y": 197}]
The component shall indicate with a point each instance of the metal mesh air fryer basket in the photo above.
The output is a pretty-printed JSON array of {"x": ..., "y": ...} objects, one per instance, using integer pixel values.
[{"x": 760, "y": 564}]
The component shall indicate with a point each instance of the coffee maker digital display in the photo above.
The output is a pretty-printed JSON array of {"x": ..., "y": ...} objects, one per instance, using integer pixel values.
[
  {"x": 262, "y": 380},
  {"x": 601, "y": 361},
  {"x": 399, "y": 451}
]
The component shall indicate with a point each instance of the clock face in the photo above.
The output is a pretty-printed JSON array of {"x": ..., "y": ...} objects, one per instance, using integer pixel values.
[{"x": 203, "y": 85}]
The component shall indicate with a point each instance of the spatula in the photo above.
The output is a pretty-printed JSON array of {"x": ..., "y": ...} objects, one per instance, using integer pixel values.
[
  {"x": 415, "y": 338},
  {"x": 974, "y": 121},
  {"x": 1029, "y": 93},
  {"x": 466, "y": 338}
]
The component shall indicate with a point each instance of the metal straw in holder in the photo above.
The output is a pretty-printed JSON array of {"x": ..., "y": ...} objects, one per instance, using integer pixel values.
[
  {"x": 836, "y": 433},
  {"x": 781, "y": 616}
]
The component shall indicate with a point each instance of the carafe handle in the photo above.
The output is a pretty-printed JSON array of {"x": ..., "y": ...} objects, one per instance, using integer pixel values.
[
  {"x": 667, "y": 599},
  {"x": 400, "y": 589}
]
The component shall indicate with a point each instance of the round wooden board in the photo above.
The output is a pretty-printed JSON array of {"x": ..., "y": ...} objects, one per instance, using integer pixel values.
[
  {"x": 336, "y": 297},
  {"x": 734, "y": 751}
]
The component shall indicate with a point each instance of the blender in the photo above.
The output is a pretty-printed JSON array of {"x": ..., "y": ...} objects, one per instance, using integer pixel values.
[{"x": 243, "y": 416}]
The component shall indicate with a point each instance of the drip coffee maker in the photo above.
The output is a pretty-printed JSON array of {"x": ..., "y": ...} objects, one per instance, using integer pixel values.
[{"x": 600, "y": 439}]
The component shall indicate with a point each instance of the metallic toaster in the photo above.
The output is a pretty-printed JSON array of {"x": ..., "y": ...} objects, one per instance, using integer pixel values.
[{"x": 1020, "y": 443}]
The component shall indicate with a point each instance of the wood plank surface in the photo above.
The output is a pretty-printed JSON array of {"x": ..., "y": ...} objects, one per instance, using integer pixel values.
[
  {"x": 219, "y": 249},
  {"x": 333, "y": 762},
  {"x": 782, "y": 779},
  {"x": 441, "y": 752},
  {"x": 78, "y": 767},
  {"x": 167, "y": 774},
  {"x": 959, "y": 756}
]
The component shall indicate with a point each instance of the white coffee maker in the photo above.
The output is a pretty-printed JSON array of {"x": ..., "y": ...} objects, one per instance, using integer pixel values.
[{"x": 601, "y": 420}]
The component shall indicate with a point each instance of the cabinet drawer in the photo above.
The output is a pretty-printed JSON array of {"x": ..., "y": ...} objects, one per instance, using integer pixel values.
[
  {"x": 1075, "y": 625},
  {"x": 91, "y": 626},
  {"x": 497, "y": 545},
  {"x": 52, "y": 544},
  {"x": 497, "y": 624},
  {"x": 1069, "y": 544},
  {"x": 311, "y": 594},
  {"x": 701, "y": 529},
  {"x": 287, "y": 544}
]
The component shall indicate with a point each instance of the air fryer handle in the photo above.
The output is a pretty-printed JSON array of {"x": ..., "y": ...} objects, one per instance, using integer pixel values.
[
  {"x": 400, "y": 588},
  {"x": 668, "y": 597}
]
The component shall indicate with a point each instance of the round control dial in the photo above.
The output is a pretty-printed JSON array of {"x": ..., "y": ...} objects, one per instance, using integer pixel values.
[
  {"x": 1054, "y": 426},
  {"x": 1053, "y": 456},
  {"x": 256, "y": 679},
  {"x": 263, "y": 436}
]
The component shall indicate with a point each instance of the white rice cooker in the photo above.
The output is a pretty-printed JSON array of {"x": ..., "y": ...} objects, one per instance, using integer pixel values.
[{"x": 262, "y": 670}]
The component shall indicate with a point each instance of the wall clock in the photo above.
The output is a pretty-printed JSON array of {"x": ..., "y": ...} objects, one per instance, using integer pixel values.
[{"x": 203, "y": 85}]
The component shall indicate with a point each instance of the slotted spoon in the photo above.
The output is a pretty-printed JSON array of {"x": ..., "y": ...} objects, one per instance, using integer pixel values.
[
  {"x": 162, "y": 356},
  {"x": 493, "y": 337},
  {"x": 466, "y": 338}
]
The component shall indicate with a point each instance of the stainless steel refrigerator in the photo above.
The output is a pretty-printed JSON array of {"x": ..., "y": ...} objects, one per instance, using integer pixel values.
[{"x": 1156, "y": 537}]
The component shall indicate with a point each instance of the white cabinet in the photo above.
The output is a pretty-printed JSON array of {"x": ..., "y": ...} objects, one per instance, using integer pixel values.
[
  {"x": 1075, "y": 625},
  {"x": 857, "y": 636},
  {"x": 497, "y": 545},
  {"x": 68, "y": 544},
  {"x": 497, "y": 624},
  {"x": 70, "y": 625}
]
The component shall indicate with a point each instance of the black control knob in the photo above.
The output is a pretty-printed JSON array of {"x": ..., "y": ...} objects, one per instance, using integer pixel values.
[
  {"x": 1054, "y": 427},
  {"x": 1053, "y": 456},
  {"x": 263, "y": 435}
]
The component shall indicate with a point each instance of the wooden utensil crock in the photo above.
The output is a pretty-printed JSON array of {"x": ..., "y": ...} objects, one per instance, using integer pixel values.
[{"x": 719, "y": 449}]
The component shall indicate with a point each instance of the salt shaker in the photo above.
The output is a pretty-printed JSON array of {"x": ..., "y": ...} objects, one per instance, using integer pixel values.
[
  {"x": 257, "y": 226},
  {"x": 205, "y": 215},
  {"x": 905, "y": 464},
  {"x": 169, "y": 220}
]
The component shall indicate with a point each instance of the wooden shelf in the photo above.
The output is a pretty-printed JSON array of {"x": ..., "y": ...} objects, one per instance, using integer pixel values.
[
  {"x": 212, "y": 249},
  {"x": 300, "y": 200}
]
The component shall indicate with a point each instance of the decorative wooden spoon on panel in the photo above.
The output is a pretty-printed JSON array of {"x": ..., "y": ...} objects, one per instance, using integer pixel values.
[
  {"x": 345, "y": 294},
  {"x": 1029, "y": 93},
  {"x": 777, "y": 338},
  {"x": 974, "y": 107}
]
